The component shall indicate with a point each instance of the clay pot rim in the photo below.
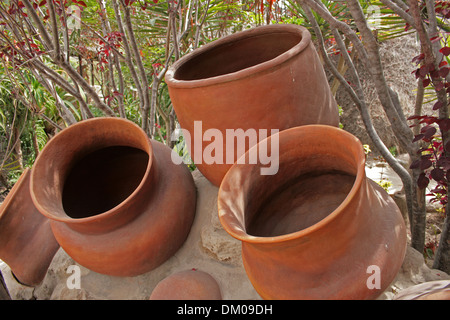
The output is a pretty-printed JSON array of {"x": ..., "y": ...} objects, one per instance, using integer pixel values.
[
  {"x": 111, "y": 212},
  {"x": 243, "y": 73},
  {"x": 14, "y": 190},
  {"x": 239, "y": 233}
]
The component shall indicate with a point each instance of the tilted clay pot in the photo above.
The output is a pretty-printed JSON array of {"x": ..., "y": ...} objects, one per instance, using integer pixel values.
[
  {"x": 118, "y": 205},
  {"x": 27, "y": 244},
  {"x": 318, "y": 229},
  {"x": 187, "y": 285},
  {"x": 269, "y": 77}
]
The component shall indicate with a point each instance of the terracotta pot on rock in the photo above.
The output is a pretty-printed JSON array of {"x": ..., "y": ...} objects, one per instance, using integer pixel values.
[
  {"x": 117, "y": 203},
  {"x": 187, "y": 285},
  {"x": 317, "y": 229},
  {"x": 27, "y": 244},
  {"x": 269, "y": 77}
]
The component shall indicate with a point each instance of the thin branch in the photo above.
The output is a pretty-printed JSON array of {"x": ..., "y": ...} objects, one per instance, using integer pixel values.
[
  {"x": 418, "y": 105},
  {"x": 358, "y": 98},
  {"x": 397, "y": 119},
  {"x": 400, "y": 10},
  {"x": 54, "y": 24},
  {"x": 140, "y": 67},
  {"x": 199, "y": 26},
  {"x": 318, "y": 7},
  {"x": 113, "y": 61},
  {"x": 128, "y": 54},
  {"x": 42, "y": 31}
]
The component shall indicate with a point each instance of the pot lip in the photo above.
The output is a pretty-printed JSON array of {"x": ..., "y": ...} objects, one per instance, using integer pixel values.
[
  {"x": 239, "y": 233},
  {"x": 12, "y": 193},
  {"x": 295, "y": 50},
  {"x": 111, "y": 212}
]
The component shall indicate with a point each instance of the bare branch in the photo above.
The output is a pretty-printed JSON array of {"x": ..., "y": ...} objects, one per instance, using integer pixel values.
[
  {"x": 397, "y": 119},
  {"x": 42, "y": 31},
  {"x": 54, "y": 24},
  {"x": 142, "y": 75},
  {"x": 318, "y": 7},
  {"x": 400, "y": 10}
]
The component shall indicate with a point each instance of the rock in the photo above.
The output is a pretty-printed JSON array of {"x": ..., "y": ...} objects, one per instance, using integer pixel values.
[{"x": 413, "y": 271}]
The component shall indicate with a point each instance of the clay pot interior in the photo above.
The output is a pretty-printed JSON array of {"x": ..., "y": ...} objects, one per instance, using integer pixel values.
[
  {"x": 300, "y": 203},
  {"x": 82, "y": 178},
  {"x": 312, "y": 183},
  {"x": 237, "y": 55},
  {"x": 103, "y": 179}
]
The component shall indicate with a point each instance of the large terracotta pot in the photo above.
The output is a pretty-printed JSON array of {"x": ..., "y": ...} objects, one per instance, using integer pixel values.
[
  {"x": 117, "y": 203},
  {"x": 269, "y": 77},
  {"x": 27, "y": 244},
  {"x": 318, "y": 229}
]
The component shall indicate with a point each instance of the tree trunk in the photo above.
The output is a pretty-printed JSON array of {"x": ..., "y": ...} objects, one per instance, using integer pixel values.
[
  {"x": 18, "y": 147},
  {"x": 35, "y": 140},
  {"x": 418, "y": 223},
  {"x": 442, "y": 258}
]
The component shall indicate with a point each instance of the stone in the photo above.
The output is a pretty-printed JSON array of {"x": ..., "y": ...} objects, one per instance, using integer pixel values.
[{"x": 414, "y": 271}]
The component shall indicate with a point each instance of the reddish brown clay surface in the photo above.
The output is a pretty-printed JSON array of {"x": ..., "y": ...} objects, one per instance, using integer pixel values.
[
  {"x": 187, "y": 285},
  {"x": 27, "y": 243},
  {"x": 268, "y": 77},
  {"x": 117, "y": 203},
  {"x": 318, "y": 229}
]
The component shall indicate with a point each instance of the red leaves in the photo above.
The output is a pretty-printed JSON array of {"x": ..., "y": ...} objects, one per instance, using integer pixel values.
[
  {"x": 445, "y": 51},
  {"x": 438, "y": 105},
  {"x": 422, "y": 181},
  {"x": 443, "y": 8},
  {"x": 426, "y": 82},
  {"x": 432, "y": 162},
  {"x": 443, "y": 72},
  {"x": 428, "y": 72},
  {"x": 81, "y": 3},
  {"x": 438, "y": 174}
]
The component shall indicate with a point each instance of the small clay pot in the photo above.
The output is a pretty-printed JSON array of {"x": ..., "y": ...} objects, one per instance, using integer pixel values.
[
  {"x": 187, "y": 285},
  {"x": 27, "y": 244},
  {"x": 318, "y": 228},
  {"x": 117, "y": 203},
  {"x": 269, "y": 77}
]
